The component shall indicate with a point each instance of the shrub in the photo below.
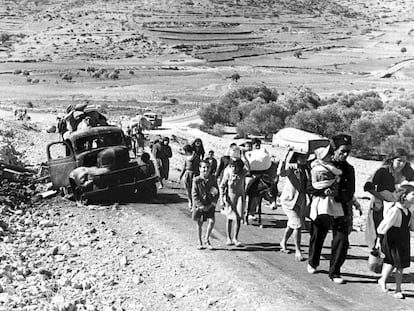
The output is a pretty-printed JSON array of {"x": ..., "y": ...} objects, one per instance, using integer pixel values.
[
  {"x": 67, "y": 77},
  {"x": 218, "y": 130},
  {"x": 372, "y": 129},
  {"x": 227, "y": 109},
  {"x": 302, "y": 98},
  {"x": 4, "y": 36},
  {"x": 391, "y": 143},
  {"x": 235, "y": 77},
  {"x": 263, "y": 120},
  {"x": 240, "y": 112},
  {"x": 174, "y": 101},
  {"x": 406, "y": 102},
  {"x": 370, "y": 100},
  {"x": 326, "y": 122},
  {"x": 213, "y": 113}
]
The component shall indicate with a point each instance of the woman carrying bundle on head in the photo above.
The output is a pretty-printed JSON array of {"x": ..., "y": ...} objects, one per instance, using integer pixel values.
[
  {"x": 189, "y": 171},
  {"x": 293, "y": 198}
]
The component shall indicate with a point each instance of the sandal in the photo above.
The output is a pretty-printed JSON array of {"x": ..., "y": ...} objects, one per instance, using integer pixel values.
[{"x": 229, "y": 242}]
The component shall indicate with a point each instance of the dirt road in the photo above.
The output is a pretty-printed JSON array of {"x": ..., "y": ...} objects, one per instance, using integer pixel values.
[{"x": 276, "y": 274}]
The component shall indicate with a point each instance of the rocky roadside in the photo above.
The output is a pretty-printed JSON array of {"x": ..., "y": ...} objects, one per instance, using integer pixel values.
[{"x": 56, "y": 256}]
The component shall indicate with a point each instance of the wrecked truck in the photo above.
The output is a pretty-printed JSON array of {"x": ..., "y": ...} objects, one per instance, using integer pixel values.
[{"x": 94, "y": 164}]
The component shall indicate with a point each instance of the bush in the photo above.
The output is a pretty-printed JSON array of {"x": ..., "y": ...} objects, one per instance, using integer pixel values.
[
  {"x": 367, "y": 101},
  {"x": 226, "y": 110},
  {"x": 4, "y": 36},
  {"x": 174, "y": 101},
  {"x": 372, "y": 129},
  {"x": 218, "y": 130},
  {"x": 263, "y": 120},
  {"x": 391, "y": 143},
  {"x": 326, "y": 122},
  {"x": 302, "y": 98},
  {"x": 213, "y": 113}
]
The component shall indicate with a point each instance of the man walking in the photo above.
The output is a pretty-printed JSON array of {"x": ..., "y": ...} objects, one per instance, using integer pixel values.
[
  {"x": 344, "y": 194},
  {"x": 341, "y": 226}
]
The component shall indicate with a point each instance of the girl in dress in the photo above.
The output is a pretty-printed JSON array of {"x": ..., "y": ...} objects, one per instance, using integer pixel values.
[
  {"x": 189, "y": 171},
  {"x": 233, "y": 195},
  {"x": 394, "y": 238}
]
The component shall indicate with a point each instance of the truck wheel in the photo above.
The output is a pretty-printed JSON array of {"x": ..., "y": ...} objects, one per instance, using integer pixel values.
[
  {"x": 152, "y": 191},
  {"x": 148, "y": 191}
]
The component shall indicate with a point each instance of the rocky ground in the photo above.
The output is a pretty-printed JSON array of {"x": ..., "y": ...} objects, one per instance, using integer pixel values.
[{"x": 56, "y": 256}]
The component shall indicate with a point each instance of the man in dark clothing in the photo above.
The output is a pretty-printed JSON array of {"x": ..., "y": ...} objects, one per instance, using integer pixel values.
[
  {"x": 213, "y": 162},
  {"x": 162, "y": 153},
  {"x": 342, "y": 145},
  {"x": 341, "y": 227}
]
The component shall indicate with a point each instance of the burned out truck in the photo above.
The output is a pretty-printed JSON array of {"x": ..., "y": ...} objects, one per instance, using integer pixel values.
[{"x": 94, "y": 164}]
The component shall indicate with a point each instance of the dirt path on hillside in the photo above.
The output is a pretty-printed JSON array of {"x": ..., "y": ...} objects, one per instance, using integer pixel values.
[{"x": 276, "y": 274}]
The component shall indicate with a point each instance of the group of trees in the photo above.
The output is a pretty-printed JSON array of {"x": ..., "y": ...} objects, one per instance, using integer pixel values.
[{"x": 377, "y": 127}]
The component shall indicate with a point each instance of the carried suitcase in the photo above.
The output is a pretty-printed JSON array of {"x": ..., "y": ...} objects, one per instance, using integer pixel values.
[{"x": 299, "y": 140}]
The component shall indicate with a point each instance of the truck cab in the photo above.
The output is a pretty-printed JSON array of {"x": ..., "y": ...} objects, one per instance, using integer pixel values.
[{"x": 100, "y": 154}]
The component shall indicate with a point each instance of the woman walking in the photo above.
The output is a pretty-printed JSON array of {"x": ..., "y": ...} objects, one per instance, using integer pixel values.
[
  {"x": 294, "y": 198},
  {"x": 198, "y": 148},
  {"x": 394, "y": 238},
  {"x": 189, "y": 171},
  {"x": 382, "y": 185}
]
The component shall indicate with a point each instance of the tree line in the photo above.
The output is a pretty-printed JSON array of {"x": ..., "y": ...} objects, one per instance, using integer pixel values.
[{"x": 377, "y": 126}]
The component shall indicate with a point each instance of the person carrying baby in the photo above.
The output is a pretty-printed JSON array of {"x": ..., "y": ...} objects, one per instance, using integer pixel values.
[{"x": 324, "y": 208}]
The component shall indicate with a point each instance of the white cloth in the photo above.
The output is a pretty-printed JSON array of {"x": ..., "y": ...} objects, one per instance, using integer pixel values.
[{"x": 392, "y": 217}]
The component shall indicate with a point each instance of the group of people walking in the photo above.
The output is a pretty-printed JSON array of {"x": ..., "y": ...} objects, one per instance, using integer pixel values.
[{"x": 319, "y": 186}]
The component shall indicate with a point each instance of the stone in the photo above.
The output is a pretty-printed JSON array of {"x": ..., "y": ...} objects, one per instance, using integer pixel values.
[{"x": 123, "y": 261}]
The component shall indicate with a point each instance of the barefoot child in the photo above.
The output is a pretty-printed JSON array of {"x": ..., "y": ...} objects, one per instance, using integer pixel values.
[
  {"x": 394, "y": 238},
  {"x": 233, "y": 196},
  {"x": 204, "y": 194},
  {"x": 189, "y": 171}
]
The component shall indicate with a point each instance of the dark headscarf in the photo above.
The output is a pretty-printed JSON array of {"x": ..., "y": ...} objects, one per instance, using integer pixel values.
[{"x": 199, "y": 150}]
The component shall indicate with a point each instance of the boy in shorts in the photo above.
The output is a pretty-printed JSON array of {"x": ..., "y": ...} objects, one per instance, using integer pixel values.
[{"x": 204, "y": 195}]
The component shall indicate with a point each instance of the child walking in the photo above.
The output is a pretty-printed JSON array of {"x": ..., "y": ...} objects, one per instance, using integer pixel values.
[
  {"x": 204, "y": 194},
  {"x": 189, "y": 171},
  {"x": 233, "y": 195},
  {"x": 394, "y": 238}
]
